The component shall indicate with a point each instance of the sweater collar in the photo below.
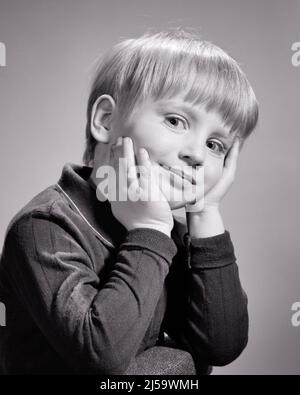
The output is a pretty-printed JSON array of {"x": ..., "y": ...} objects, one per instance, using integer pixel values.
[{"x": 74, "y": 184}]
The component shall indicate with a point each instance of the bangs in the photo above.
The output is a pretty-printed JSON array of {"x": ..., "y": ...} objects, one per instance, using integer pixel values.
[{"x": 202, "y": 72}]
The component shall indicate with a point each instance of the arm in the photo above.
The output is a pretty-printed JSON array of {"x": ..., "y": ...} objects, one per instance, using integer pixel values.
[
  {"x": 95, "y": 324},
  {"x": 209, "y": 315},
  {"x": 207, "y": 307}
]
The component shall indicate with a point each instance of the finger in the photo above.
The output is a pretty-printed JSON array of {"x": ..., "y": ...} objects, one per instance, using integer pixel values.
[
  {"x": 143, "y": 158},
  {"x": 233, "y": 154},
  {"x": 112, "y": 155},
  {"x": 115, "y": 154},
  {"x": 115, "y": 147},
  {"x": 129, "y": 151},
  {"x": 229, "y": 171},
  {"x": 122, "y": 155},
  {"x": 230, "y": 165},
  {"x": 132, "y": 176},
  {"x": 144, "y": 166},
  {"x": 113, "y": 187}
]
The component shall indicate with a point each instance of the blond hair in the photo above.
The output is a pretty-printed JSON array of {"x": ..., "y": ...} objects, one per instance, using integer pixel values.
[{"x": 164, "y": 64}]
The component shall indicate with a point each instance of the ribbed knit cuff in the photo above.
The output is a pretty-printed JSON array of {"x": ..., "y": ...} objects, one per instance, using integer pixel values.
[
  {"x": 210, "y": 252},
  {"x": 153, "y": 240}
]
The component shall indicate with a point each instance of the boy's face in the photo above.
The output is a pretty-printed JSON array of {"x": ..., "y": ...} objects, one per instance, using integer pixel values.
[{"x": 180, "y": 135}]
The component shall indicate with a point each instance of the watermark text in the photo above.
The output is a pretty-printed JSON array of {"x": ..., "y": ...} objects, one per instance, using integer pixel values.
[
  {"x": 296, "y": 55},
  {"x": 2, "y": 54},
  {"x": 296, "y": 315},
  {"x": 140, "y": 183}
]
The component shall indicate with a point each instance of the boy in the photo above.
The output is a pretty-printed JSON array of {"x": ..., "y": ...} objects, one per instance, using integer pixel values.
[{"x": 90, "y": 282}]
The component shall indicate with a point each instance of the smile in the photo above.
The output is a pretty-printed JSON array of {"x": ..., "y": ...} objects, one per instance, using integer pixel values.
[{"x": 179, "y": 173}]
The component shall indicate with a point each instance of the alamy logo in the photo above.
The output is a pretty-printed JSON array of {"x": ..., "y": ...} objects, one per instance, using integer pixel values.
[
  {"x": 296, "y": 56},
  {"x": 2, "y": 314},
  {"x": 296, "y": 315},
  {"x": 2, "y": 55},
  {"x": 155, "y": 184}
]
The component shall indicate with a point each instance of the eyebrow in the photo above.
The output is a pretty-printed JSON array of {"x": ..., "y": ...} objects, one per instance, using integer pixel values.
[
  {"x": 193, "y": 113},
  {"x": 189, "y": 109}
]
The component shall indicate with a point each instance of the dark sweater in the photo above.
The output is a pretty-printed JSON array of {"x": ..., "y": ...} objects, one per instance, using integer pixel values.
[{"x": 84, "y": 295}]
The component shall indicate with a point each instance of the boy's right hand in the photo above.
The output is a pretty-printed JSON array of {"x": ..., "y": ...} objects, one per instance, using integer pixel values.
[{"x": 145, "y": 205}]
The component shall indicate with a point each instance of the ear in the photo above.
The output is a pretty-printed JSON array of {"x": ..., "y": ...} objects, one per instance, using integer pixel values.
[{"x": 101, "y": 118}]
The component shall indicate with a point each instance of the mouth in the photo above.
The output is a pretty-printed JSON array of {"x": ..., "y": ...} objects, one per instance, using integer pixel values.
[{"x": 179, "y": 173}]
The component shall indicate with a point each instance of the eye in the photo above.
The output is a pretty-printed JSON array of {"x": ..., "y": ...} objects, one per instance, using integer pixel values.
[
  {"x": 216, "y": 146},
  {"x": 176, "y": 122}
]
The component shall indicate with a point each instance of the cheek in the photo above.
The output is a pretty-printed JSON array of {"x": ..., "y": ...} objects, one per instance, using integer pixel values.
[
  {"x": 151, "y": 137},
  {"x": 143, "y": 135},
  {"x": 212, "y": 173}
]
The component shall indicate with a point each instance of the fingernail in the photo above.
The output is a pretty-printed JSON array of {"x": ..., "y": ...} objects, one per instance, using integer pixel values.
[{"x": 144, "y": 152}]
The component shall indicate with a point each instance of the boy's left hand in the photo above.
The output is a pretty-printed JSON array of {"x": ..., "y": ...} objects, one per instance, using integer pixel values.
[
  {"x": 213, "y": 198},
  {"x": 207, "y": 221}
]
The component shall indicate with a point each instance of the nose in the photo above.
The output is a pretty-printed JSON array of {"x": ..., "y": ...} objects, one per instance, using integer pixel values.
[{"x": 194, "y": 155}]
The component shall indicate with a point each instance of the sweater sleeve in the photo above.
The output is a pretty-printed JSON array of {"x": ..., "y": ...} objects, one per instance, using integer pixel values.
[
  {"x": 207, "y": 307},
  {"x": 96, "y": 325}
]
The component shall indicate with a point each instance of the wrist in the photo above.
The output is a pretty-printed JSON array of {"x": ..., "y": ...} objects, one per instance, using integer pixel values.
[
  {"x": 206, "y": 223},
  {"x": 160, "y": 227}
]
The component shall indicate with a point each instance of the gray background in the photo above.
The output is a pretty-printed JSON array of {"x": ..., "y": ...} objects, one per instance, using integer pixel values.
[{"x": 51, "y": 47}]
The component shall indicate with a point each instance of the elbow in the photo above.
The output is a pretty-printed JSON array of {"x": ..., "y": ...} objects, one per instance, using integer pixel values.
[
  {"x": 108, "y": 363},
  {"x": 101, "y": 353},
  {"x": 227, "y": 352},
  {"x": 223, "y": 347},
  {"x": 227, "y": 345},
  {"x": 111, "y": 368},
  {"x": 100, "y": 361}
]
